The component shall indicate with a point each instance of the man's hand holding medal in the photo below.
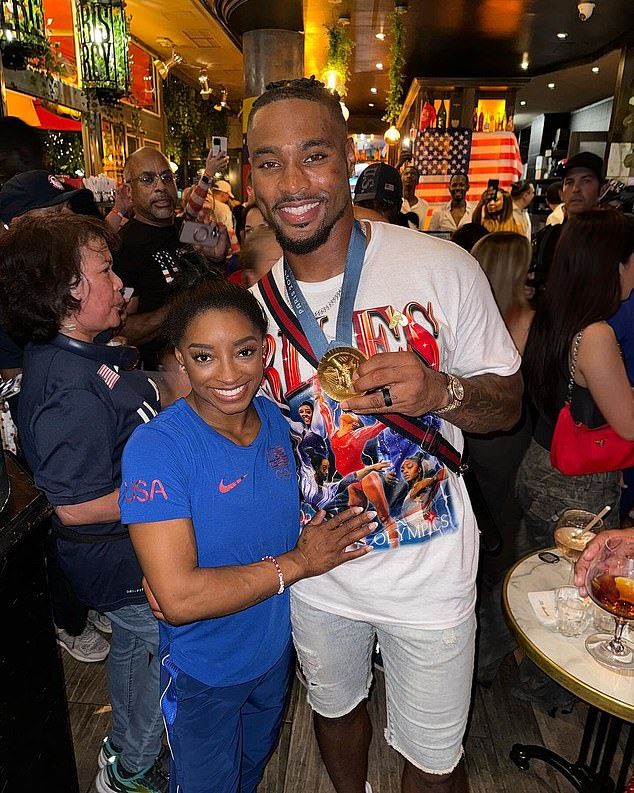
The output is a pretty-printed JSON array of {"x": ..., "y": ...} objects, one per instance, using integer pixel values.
[{"x": 396, "y": 382}]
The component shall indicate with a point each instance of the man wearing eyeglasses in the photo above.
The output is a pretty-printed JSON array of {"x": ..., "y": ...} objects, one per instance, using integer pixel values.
[{"x": 148, "y": 260}]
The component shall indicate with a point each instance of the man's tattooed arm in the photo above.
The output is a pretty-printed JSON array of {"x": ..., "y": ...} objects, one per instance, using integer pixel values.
[{"x": 490, "y": 403}]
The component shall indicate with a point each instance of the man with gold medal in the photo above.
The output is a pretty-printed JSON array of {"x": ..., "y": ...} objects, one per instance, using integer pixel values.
[{"x": 392, "y": 333}]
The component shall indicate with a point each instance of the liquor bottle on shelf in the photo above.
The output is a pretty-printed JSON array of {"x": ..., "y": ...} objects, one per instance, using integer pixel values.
[
  {"x": 481, "y": 121},
  {"x": 487, "y": 126},
  {"x": 510, "y": 126},
  {"x": 427, "y": 115},
  {"x": 474, "y": 120},
  {"x": 441, "y": 118},
  {"x": 504, "y": 123},
  {"x": 492, "y": 123}
]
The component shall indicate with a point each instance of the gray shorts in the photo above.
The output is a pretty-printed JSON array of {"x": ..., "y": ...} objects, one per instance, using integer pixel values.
[{"x": 428, "y": 676}]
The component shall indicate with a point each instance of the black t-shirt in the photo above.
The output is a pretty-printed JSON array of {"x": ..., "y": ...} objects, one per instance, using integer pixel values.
[
  {"x": 544, "y": 244},
  {"x": 10, "y": 352},
  {"x": 74, "y": 419},
  {"x": 148, "y": 261}
]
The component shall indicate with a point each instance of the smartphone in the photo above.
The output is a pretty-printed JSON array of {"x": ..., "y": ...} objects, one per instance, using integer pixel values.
[
  {"x": 493, "y": 187},
  {"x": 218, "y": 146},
  {"x": 199, "y": 233}
]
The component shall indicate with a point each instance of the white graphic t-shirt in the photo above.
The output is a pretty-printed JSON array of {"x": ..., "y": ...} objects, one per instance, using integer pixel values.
[{"x": 420, "y": 294}]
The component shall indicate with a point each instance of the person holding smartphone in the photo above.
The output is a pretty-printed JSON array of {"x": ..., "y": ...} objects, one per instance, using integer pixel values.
[
  {"x": 151, "y": 248},
  {"x": 495, "y": 210}
]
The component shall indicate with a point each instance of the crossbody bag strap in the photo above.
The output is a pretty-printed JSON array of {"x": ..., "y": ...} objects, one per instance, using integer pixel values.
[
  {"x": 428, "y": 437},
  {"x": 573, "y": 366}
]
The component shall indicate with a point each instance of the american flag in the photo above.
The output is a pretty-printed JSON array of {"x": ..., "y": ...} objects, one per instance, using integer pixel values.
[
  {"x": 438, "y": 154},
  {"x": 108, "y": 376}
]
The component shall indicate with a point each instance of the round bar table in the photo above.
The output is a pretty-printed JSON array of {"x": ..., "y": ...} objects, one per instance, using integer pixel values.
[{"x": 566, "y": 660}]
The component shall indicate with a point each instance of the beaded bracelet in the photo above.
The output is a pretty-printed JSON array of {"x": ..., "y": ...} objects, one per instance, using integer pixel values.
[{"x": 279, "y": 573}]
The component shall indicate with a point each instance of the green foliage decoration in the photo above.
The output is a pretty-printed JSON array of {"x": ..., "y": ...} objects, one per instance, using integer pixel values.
[
  {"x": 191, "y": 121},
  {"x": 64, "y": 152},
  {"x": 340, "y": 47},
  {"x": 396, "y": 74}
]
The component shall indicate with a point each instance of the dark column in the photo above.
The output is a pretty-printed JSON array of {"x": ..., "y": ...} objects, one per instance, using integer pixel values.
[{"x": 271, "y": 55}]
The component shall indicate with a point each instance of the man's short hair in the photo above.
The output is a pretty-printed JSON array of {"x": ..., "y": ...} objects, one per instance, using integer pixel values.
[
  {"x": 459, "y": 173},
  {"x": 307, "y": 89},
  {"x": 553, "y": 195}
]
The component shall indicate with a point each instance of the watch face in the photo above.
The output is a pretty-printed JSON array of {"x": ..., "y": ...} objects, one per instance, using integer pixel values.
[{"x": 457, "y": 389}]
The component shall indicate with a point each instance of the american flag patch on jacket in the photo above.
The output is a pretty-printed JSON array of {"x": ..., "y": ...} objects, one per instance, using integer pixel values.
[{"x": 108, "y": 376}]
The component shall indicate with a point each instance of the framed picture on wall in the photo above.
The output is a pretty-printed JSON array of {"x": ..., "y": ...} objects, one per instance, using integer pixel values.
[{"x": 132, "y": 143}]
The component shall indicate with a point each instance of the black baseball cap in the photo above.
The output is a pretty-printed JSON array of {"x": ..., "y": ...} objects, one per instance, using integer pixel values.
[
  {"x": 379, "y": 182},
  {"x": 585, "y": 159},
  {"x": 39, "y": 189}
]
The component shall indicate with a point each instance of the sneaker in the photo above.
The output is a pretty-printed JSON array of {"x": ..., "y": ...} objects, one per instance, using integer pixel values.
[
  {"x": 107, "y": 752},
  {"x": 88, "y": 647},
  {"x": 112, "y": 779},
  {"x": 99, "y": 621}
]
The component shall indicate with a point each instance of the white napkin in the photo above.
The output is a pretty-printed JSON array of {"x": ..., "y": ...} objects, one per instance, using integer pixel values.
[{"x": 543, "y": 604}]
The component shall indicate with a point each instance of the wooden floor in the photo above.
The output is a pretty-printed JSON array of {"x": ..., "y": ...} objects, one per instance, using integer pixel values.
[{"x": 498, "y": 721}]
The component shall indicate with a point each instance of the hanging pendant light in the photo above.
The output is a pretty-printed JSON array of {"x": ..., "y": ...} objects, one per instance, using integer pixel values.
[
  {"x": 103, "y": 34},
  {"x": 392, "y": 135},
  {"x": 22, "y": 31}
]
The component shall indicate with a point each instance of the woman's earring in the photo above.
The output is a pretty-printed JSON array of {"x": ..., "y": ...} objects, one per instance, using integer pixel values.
[{"x": 181, "y": 367}]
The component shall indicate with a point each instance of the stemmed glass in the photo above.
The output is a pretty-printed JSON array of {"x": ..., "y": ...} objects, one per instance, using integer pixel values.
[
  {"x": 610, "y": 583},
  {"x": 571, "y": 537}
]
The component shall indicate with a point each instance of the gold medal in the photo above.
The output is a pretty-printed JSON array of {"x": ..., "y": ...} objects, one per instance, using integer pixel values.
[{"x": 335, "y": 371}]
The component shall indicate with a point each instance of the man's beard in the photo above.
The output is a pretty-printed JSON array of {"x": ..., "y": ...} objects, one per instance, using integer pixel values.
[{"x": 309, "y": 244}]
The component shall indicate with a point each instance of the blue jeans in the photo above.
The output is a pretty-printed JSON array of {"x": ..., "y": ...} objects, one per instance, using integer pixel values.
[{"x": 133, "y": 681}]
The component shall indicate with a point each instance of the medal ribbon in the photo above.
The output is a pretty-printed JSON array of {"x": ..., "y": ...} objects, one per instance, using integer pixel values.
[{"x": 351, "y": 276}]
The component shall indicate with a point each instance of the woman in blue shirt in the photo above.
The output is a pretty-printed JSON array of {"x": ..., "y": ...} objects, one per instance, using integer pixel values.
[{"x": 210, "y": 495}]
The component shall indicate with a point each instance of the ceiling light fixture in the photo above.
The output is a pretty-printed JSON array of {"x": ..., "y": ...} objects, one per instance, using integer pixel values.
[
  {"x": 163, "y": 67},
  {"x": 222, "y": 105},
  {"x": 373, "y": 90},
  {"x": 595, "y": 69},
  {"x": 401, "y": 7},
  {"x": 344, "y": 20},
  {"x": 203, "y": 79},
  {"x": 370, "y": 104},
  {"x": 380, "y": 36},
  {"x": 379, "y": 66},
  {"x": 392, "y": 135},
  {"x": 523, "y": 102},
  {"x": 562, "y": 36},
  {"x": 551, "y": 86}
]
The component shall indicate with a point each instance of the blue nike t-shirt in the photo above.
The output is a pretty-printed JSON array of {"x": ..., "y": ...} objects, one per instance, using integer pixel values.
[{"x": 244, "y": 504}]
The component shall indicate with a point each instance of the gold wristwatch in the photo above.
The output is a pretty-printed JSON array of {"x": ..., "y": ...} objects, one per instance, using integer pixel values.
[{"x": 456, "y": 394}]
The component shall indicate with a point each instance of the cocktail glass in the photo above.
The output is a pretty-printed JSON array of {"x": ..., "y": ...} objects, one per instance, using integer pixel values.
[{"x": 610, "y": 583}]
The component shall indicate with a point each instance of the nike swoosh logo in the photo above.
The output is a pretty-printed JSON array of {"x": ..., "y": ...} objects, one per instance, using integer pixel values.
[{"x": 226, "y": 488}]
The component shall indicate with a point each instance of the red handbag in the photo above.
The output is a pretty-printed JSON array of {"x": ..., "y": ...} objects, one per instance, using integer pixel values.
[{"x": 577, "y": 450}]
